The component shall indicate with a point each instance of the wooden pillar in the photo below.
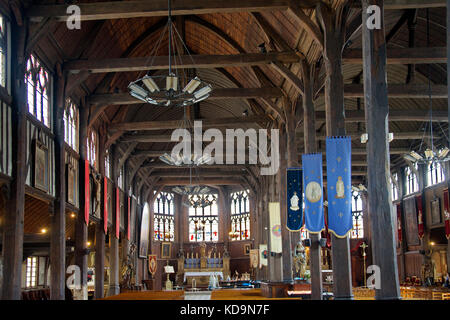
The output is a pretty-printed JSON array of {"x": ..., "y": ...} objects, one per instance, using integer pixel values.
[
  {"x": 286, "y": 255},
  {"x": 114, "y": 287},
  {"x": 58, "y": 220},
  {"x": 333, "y": 27},
  {"x": 12, "y": 244},
  {"x": 99, "y": 229},
  {"x": 81, "y": 228},
  {"x": 378, "y": 172},
  {"x": 448, "y": 90},
  {"x": 309, "y": 125}
]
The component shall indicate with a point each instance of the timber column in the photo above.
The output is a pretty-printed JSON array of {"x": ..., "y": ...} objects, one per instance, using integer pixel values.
[
  {"x": 12, "y": 244},
  {"x": 333, "y": 26},
  {"x": 58, "y": 231},
  {"x": 100, "y": 230},
  {"x": 448, "y": 86},
  {"x": 377, "y": 111},
  {"x": 81, "y": 228},
  {"x": 114, "y": 287},
  {"x": 309, "y": 125}
]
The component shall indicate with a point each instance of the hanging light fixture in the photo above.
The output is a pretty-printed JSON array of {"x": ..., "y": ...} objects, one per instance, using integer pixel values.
[
  {"x": 429, "y": 154},
  {"x": 173, "y": 89}
]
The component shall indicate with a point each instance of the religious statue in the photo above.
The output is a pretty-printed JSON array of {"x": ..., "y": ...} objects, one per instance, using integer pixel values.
[
  {"x": 300, "y": 259},
  {"x": 340, "y": 189},
  {"x": 294, "y": 202},
  {"x": 98, "y": 194},
  {"x": 202, "y": 249},
  {"x": 127, "y": 268}
]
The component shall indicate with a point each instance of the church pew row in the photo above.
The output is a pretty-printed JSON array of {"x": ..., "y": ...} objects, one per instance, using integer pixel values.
[
  {"x": 148, "y": 295},
  {"x": 407, "y": 293}
]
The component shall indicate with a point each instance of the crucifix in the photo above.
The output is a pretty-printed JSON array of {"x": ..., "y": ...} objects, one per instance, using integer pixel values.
[{"x": 364, "y": 246}]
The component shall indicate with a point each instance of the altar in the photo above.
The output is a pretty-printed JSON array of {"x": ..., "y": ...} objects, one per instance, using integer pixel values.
[{"x": 201, "y": 267}]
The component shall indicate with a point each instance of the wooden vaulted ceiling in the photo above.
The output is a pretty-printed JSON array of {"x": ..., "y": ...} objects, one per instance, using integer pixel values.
[{"x": 231, "y": 32}]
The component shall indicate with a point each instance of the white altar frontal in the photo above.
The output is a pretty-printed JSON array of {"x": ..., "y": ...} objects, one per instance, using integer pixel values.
[{"x": 198, "y": 274}]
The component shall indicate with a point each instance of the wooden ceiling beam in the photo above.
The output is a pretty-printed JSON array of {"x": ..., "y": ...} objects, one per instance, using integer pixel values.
[
  {"x": 201, "y": 181},
  {"x": 218, "y": 93},
  {"x": 186, "y": 62},
  {"x": 402, "y": 55},
  {"x": 176, "y": 124}
]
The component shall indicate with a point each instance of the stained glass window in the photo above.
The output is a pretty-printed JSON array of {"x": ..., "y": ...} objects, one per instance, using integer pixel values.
[
  {"x": 92, "y": 145},
  {"x": 3, "y": 51},
  {"x": 357, "y": 216},
  {"x": 412, "y": 185},
  {"x": 163, "y": 213},
  {"x": 37, "y": 80},
  {"x": 240, "y": 216},
  {"x": 71, "y": 124},
  {"x": 203, "y": 218},
  {"x": 435, "y": 173}
]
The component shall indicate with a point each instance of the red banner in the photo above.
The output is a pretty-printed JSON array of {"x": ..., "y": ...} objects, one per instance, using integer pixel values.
[
  {"x": 446, "y": 214},
  {"x": 128, "y": 221},
  {"x": 87, "y": 192},
  {"x": 420, "y": 225},
  {"x": 105, "y": 204},
  {"x": 399, "y": 222},
  {"x": 117, "y": 213}
]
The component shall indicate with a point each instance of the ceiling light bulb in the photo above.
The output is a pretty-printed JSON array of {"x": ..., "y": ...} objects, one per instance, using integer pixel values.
[
  {"x": 364, "y": 138},
  {"x": 429, "y": 153},
  {"x": 43, "y": 230},
  {"x": 391, "y": 136},
  {"x": 192, "y": 85},
  {"x": 202, "y": 93},
  {"x": 415, "y": 155},
  {"x": 443, "y": 153},
  {"x": 150, "y": 84},
  {"x": 172, "y": 83},
  {"x": 134, "y": 88}
]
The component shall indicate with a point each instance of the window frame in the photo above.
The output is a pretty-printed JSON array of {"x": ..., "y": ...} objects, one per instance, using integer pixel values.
[
  {"x": 71, "y": 124},
  {"x": 212, "y": 219},
  {"x": 166, "y": 216},
  {"x": 434, "y": 172},
  {"x": 411, "y": 182},
  {"x": 240, "y": 216},
  {"x": 357, "y": 216}
]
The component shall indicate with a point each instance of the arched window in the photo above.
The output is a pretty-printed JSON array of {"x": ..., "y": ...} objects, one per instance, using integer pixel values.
[
  {"x": 3, "y": 51},
  {"x": 394, "y": 188},
  {"x": 412, "y": 185},
  {"x": 71, "y": 124},
  {"x": 163, "y": 216},
  {"x": 435, "y": 173},
  {"x": 203, "y": 218},
  {"x": 37, "y": 80},
  {"x": 357, "y": 216},
  {"x": 107, "y": 165},
  {"x": 240, "y": 216},
  {"x": 92, "y": 145}
]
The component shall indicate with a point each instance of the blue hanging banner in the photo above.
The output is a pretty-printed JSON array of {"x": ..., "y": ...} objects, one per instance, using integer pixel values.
[
  {"x": 313, "y": 182},
  {"x": 339, "y": 185},
  {"x": 294, "y": 199}
]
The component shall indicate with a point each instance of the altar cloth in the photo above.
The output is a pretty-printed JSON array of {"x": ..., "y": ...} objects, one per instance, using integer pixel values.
[{"x": 202, "y": 274}]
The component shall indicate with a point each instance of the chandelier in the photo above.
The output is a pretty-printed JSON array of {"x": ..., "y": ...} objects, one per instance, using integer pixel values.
[
  {"x": 429, "y": 154},
  {"x": 175, "y": 88},
  {"x": 190, "y": 190}
]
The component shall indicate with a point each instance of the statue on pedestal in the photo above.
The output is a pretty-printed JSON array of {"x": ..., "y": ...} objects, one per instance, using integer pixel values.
[{"x": 300, "y": 259}]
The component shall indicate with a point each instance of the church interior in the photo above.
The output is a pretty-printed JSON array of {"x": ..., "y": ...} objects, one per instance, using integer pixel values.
[{"x": 224, "y": 150}]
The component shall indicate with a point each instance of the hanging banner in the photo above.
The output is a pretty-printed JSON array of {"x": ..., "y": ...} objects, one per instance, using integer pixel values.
[
  {"x": 275, "y": 227},
  {"x": 339, "y": 185},
  {"x": 420, "y": 226},
  {"x": 152, "y": 264},
  {"x": 263, "y": 254},
  {"x": 117, "y": 213},
  {"x": 399, "y": 223},
  {"x": 87, "y": 192},
  {"x": 446, "y": 214},
  {"x": 105, "y": 205},
  {"x": 294, "y": 199},
  {"x": 128, "y": 221},
  {"x": 312, "y": 180}
]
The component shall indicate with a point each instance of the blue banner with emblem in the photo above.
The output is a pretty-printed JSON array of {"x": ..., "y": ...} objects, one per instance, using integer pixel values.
[
  {"x": 313, "y": 182},
  {"x": 339, "y": 185},
  {"x": 294, "y": 199}
]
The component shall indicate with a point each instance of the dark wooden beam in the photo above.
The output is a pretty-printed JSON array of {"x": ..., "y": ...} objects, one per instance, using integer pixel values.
[
  {"x": 219, "y": 93},
  {"x": 175, "y": 124},
  {"x": 382, "y": 226},
  {"x": 402, "y": 55},
  {"x": 186, "y": 62}
]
